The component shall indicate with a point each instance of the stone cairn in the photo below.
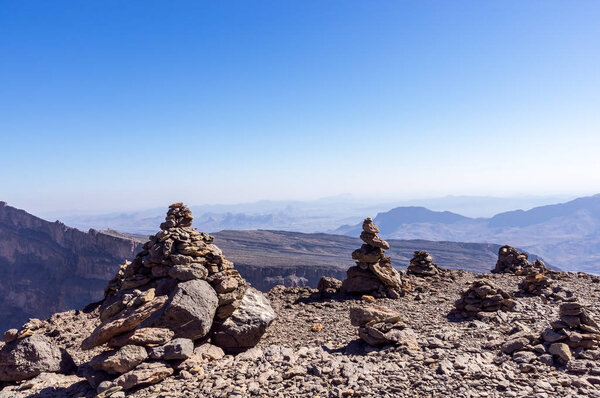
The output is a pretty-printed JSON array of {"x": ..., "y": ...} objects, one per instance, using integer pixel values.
[
  {"x": 483, "y": 296},
  {"x": 379, "y": 326},
  {"x": 573, "y": 333},
  {"x": 162, "y": 309},
  {"x": 537, "y": 284},
  {"x": 510, "y": 260},
  {"x": 373, "y": 273},
  {"x": 422, "y": 265}
]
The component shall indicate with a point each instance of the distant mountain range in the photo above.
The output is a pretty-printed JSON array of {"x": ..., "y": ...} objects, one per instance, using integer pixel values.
[
  {"x": 323, "y": 215},
  {"x": 567, "y": 235}
]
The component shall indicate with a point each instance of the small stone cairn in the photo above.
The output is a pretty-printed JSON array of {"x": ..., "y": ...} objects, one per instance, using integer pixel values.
[
  {"x": 482, "y": 296},
  {"x": 379, "y": 326},
  {"x": 536, "y": 284},
  {"x": 373, "y": 273},
  {"x": 510, "y": 260},
  {"x": 573, "y": 333},
  {"x": 422, "y": 265},
  {"x": 178, "y": 299}
]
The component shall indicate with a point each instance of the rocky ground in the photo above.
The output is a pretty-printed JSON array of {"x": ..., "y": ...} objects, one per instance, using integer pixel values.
[{"x": 311, "y": 350}]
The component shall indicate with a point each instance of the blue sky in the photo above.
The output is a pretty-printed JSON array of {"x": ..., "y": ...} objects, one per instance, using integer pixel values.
[{"x": 120, "y": 105}]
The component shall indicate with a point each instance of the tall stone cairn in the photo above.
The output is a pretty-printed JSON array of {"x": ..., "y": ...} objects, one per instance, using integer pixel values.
[
  {"x": 373, "y": 273},
  {"x": 180, "y": 252},
  {"x": 422, "y": 265},
  {"x": 510, "y": 260},
  {"x": 178, "y": 298}
]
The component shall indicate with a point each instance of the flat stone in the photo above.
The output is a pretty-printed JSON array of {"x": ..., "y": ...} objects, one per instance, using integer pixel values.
[
  {"x": 119, "y": 361},
  {"x": 144, "y": 374},
  {"x": 561, "y": 350},
  {"x": 125, "y": 321},
  {"x": 144, "y": 336},
  {"x": 180, "y": 348}
]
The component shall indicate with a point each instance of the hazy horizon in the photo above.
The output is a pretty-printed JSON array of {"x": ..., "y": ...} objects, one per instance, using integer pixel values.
[{"x": 133, "y": 105}]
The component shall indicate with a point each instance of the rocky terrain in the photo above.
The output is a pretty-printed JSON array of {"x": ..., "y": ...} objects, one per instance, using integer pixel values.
[
  {"x": 462, "y": 357},
  {"x": 450, "y": 332},
  {"x": 48, "y": 267}
]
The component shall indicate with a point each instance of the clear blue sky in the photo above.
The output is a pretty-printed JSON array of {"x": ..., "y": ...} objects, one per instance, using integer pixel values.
[{"x": 131, "y": 104}]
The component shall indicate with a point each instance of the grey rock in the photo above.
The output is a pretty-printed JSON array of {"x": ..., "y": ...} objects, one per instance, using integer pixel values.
[
  {"x": 180, "y": 348},
  {"x": 244, "y": 328},
  {"x": 119, "y": 361},
  {"x": 189, "y": 312},
  {"x": 28, "y": 357}
]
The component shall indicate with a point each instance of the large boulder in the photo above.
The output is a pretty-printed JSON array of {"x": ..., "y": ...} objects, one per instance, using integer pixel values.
[
  {"x": 28, "y": 357},
  {"x": 244, "y": 328},
  {"x": 190, "y": 311}
]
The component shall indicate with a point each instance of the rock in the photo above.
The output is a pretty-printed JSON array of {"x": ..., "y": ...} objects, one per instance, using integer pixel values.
[
  {"x": 119, "y": 361},
  {"x": 144, "y": 336},
  {"x": 514, "y": 345},
  {"x": 561, "y": 350},
  {"x": 329, "y": 286},
  {"x": 244, "y": 328},
  {"x": 369, "y": 227},
  {"x": 125, "y": 321},
  {"x": 144, "y": 374},
  {"x": 94, "y": 377},
  {"x": 188, "y": 272},
  {"x": 176, "y": 349},
  {"x": 189, "y": 311},
  {"x": 361, "y": 315},
  {"x": 10, "y": 335},
  {"x": 28, "y": 357},
  {"x": 372, "y": 239},
  {"x": 204, "y": 353},
  {"x": 209, "y": 352}
]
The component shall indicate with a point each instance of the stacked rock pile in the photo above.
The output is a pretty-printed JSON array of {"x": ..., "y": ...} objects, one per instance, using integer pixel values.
[
  {"x": 536, "y": 284},
  {"x": 510, "y": 260},
  {"x": 422, "y": 265},
  {"x": 379, "y": 326},
  {"x": 180, "y": 290},
  {"x": 573, "y": 333},
  {"x": 483, "y": 296},
  {"x": 373, "y": 273}
]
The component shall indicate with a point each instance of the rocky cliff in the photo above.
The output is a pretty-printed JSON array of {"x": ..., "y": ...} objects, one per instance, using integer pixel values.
[{"x": 48, "y": 267}]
